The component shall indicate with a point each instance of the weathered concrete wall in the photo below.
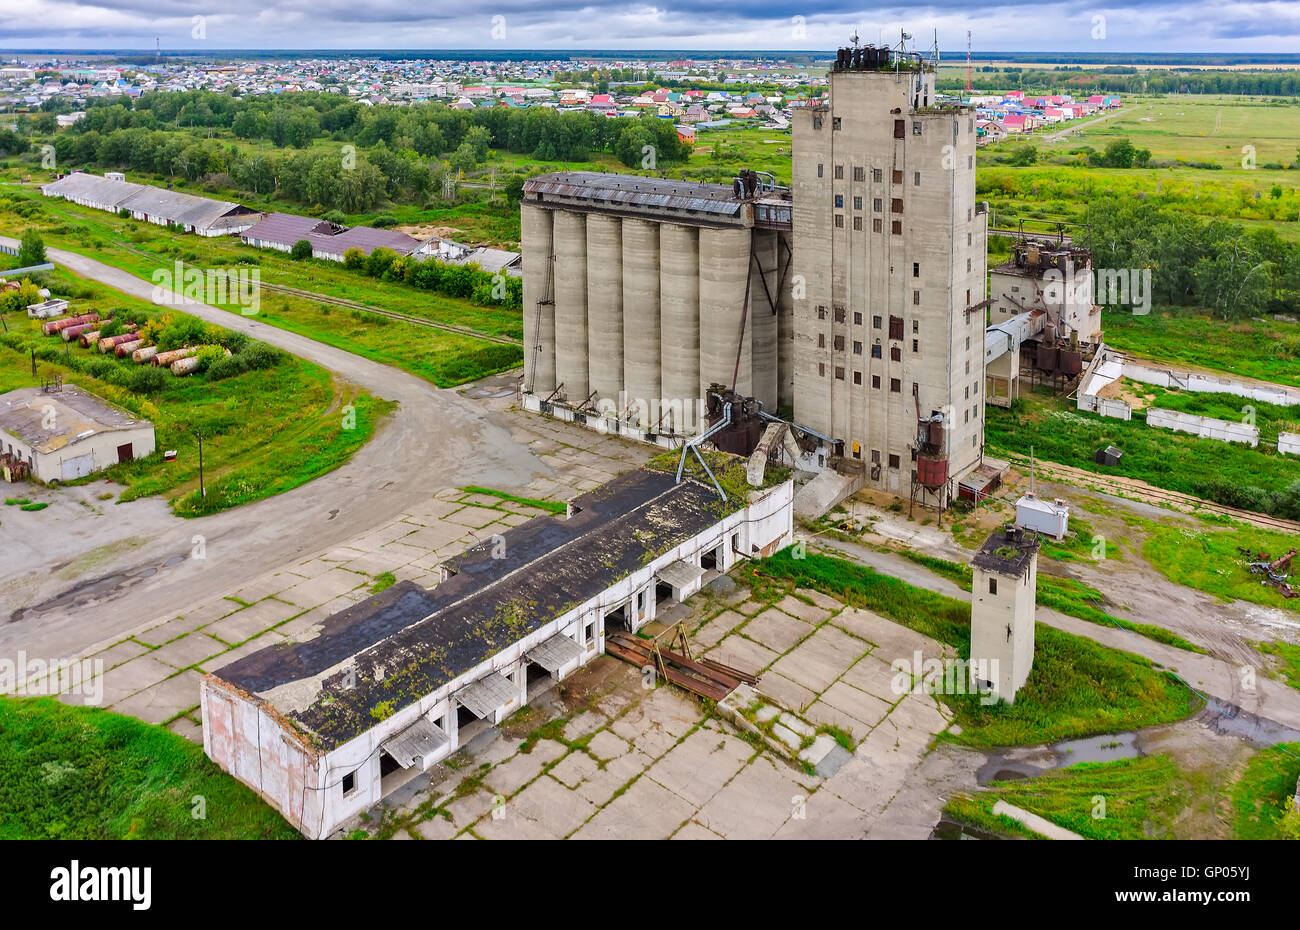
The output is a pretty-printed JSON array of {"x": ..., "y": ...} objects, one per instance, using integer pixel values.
[
  {"x": 1105, "y": 406},
  {"x": 1205, "y": 427},
  {"x": 1209, "y": 384},
  {"x": 1288, "y": 443}
]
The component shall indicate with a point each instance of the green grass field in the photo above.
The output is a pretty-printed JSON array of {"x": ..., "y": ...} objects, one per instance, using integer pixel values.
[
  {"x": 1259, "y": 795},
  {"x": 88, "y": 774},
  {"x": 1263, "y": 349},
  {"x": 265, "y": 431},
  {"x": 1140, "y": 799},
  {"x": 1224, "y": 472}
]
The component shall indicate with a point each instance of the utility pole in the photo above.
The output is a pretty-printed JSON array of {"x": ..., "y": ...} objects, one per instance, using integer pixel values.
[
  {"x": 969, "y": 85},
  {"x": 203, "y": 493}
]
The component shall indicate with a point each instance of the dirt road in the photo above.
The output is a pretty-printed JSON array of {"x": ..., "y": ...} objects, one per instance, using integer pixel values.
[{"x": 435, "y": 439}]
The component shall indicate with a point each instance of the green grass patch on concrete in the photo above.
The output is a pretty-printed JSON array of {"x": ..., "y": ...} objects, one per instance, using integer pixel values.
[
  {"x": 1259, "y": 797},
  {"x": 1287, "y": 656},
  {"x": 1077, "y": 687},
  {"x": 87, "y": 773},
  {"x": 549, "y": 506},
  {"x": 383, "y": 581},
  {"x": 1129, "y": 799}
]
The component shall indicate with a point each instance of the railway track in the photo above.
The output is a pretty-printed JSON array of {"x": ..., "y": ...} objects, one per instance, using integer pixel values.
[
  {"x": 392, "y": 314},
  {"x": 1149, "y": 493}
]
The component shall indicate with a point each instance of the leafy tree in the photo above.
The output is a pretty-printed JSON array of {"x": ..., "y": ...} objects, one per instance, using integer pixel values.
[
  {"x": 1119, "y": 154},
  {"x": 1023, "y": 156},
  {"x": 31, "y": 249}
]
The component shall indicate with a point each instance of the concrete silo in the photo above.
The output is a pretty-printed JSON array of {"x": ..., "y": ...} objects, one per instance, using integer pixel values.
[
  {"x": 641, "y": 366},
  {"x": 724, "y": 267},
  {"x": 605, "y": 305},
  {"x": 571, "y": 365},
  {"x": 679, "y": 334},
  {"x": 762, "y": 316},
  {"x": 538, "y": 306}
]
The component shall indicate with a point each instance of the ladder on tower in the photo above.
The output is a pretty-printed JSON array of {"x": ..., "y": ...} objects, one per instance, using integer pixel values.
[{"x": 546, "y": 300}]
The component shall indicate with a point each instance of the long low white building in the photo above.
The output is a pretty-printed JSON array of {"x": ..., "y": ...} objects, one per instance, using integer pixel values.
[
  {"x": 192, "y": 213},
  {"x": 67, "y": 434},
  {"x": 326, "y": 727}
]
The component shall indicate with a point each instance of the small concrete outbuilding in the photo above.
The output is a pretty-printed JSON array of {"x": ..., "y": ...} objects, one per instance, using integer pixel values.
[
  {"x": 1003, "y": 600},
  {"x": 68, "y": 433}
]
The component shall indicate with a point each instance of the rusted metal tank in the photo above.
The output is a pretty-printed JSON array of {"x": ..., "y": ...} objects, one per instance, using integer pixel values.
[
  {"x": 109, "y": 343},
  {"x": 184, "y": 366},
  {"x": 72, "y": 332},
  {"x": 50, "y": 327},
  {"x": 165, "y": 359},
  {"x": 931, "y": 471},
  {"x": 1071, "y": 362},
  {"x": 123, "y": 349},
  {"x": 88, "y": 339},
  {"x": 1048, "y": 358},
  {"x": 142, "y": 355}
]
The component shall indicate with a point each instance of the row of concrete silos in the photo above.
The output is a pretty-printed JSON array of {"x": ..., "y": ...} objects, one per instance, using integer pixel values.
[{"x": 647, "y": 314}]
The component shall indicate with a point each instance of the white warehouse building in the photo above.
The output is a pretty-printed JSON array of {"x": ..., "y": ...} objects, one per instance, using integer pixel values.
[
  {"x": 326, "y": 727},
  {"x": 67, "y": 434}
]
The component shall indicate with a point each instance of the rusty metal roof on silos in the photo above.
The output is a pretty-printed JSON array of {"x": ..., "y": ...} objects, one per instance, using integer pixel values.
[{"x": 634, "y": 190}]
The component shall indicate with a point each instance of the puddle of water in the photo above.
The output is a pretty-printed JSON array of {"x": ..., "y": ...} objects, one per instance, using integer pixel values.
[
  {"x": 1098, "y": 749},
  {"x": 951, "y": 830},
  {"x": 1232, "y": 720}
]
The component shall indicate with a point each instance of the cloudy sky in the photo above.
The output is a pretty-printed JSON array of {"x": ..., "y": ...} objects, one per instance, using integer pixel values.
[{"x": 1016, "y": 25}]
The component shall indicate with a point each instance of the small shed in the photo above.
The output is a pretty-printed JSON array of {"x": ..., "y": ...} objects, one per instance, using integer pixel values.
[
  {"x": 1048, "y": 518},
  {"x": 1108, "y": 455},
  {"x": 47, "y": 309}
]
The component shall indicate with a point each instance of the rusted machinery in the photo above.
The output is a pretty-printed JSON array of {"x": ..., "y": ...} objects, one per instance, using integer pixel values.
[
  {"x": 702, "y": 676},
  {"x": 1276, "y": 572},
  {"x": 931, "y": 474}
]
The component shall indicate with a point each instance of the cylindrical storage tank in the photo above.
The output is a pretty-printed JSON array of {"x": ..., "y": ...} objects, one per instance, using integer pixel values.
[
  {"x": 724, "y": 266},
  {"x": 88, "y": 339},
  {"x": 140, "y": 356},
  {"x": 50, "y": 327},
  {"x": 1047, "y": 358},
  {"x": 641, "y": 376},
  {"x": 183, "y": 366},
  {"x": 931, "y": 471},
  {"x": 937, "y": 434},
  {"x": 1071, "y": 362},
  {"x": 571, "y": 367},
  {"x": 123, "y": 349},
  {"x": 165, "y": 359},
  {"x": 72, "y": 332},
  {"x": 762, "y": 317},
  {"x": 109, "y": 343},
  {"x": 605, "y": 306},
  {"x": 679, "y": 336},
  {"x": 539, "y": 287}
]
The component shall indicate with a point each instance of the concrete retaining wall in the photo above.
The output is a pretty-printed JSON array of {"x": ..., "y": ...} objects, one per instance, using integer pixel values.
[
  {"x": 1205, "y": 427},
  {"x": 1288, "y": 443},
  {"x": 1209, "y": 384},
  {"x": 1105, "y": 406}
]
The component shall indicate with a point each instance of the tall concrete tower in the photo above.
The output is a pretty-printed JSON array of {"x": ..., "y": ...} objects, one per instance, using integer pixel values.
[
  {"x": 890, "y": 252},
  {"x": 1003, "y": 599}
]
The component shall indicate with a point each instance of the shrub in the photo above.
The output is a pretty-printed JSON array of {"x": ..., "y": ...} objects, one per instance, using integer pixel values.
[
  {"x": 209, "y": 354},
  {"x": 354, "y": 259},
  {"x": 301, "y": 249},
  {"x": 384, "y": 221},
  {"x": 146, "y": 380},
  {"x": 335, "y": 216},
  {"x": 99, "y": 368}
]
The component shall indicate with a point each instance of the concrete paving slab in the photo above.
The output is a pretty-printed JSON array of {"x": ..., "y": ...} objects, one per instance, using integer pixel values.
[
  {"x": 251, "y": 621},
  {"x": 164, "y": 700},
  {"x": 190, "y": 621},
  {"x": 465, "y": 810},
  {"x": 574, "y": 769},
  {"x": 600, "y": 787},
  {"x": 218, "y": 662},
  {"x": 874, "y": 675},
  {"x": 777, "y": 630},
  {"x": 606, "y": 745},
  {"x": 190, "y": 649},
  {"x": 647, "y": 811},
  {"x": 785, "y": 692},
  {"x": 544, "y": 807},
  {"x": 700, "y": 765},
  {"x": 184, "y": 726},
  {"x": 856, "y": 703},
  {"x": 585, "y": 723},
  {"x": 804, "y": 611},
  {"x": 744, "y": 654},
  {"x": 712, "y": 632},
  {"x": 436, "y": 828},
  {"x": 693, "y": 831},
  {"x": 820, "y": 659},
  {"x": 118, "y": 653},
  {"x": 824, "y": 601},
  {"x": 511, "y": 775},
  {"x": 824, "y": 816},
  {"x": 316, "y": 591},
  {"x": 824, "y": 714},
  {"x": 754, "y": 804}
]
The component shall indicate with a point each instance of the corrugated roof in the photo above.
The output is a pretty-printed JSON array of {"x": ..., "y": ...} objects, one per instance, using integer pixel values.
[
  {"x": 286, "y": 228},
  {"x": 82, "y": 186},
  {"x": 367, "y": 240},
  {"x": 635, "y": 190},
  {"x": 488, "y": 694},
  {"x": 180, "y": 208},
  {"x": 555, "y": 653},
  {"x": 417, "y": 744}
]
